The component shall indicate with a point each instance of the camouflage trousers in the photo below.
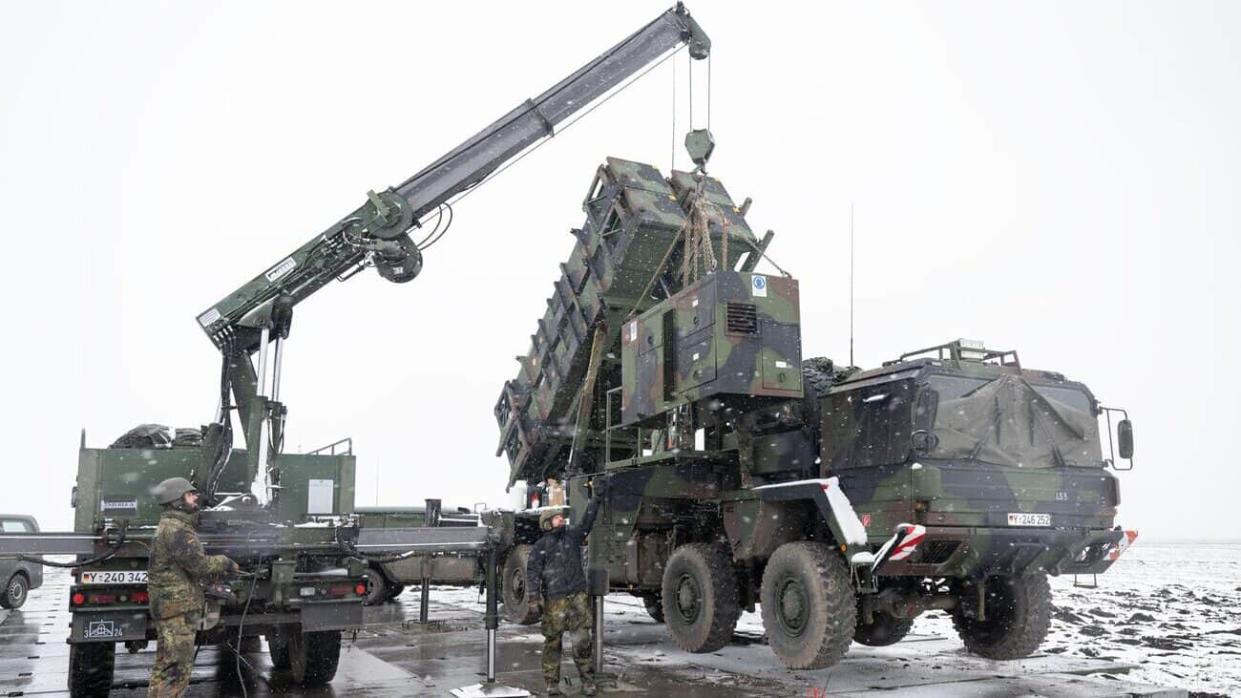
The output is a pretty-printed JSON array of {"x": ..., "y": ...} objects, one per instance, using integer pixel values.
[
  {"x": 567, "y": 615},
  {"x": 174, "y": 655}
]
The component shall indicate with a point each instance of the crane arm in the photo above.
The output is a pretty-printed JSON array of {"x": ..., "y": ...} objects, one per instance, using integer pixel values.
[{"x": 378, "y": 232}]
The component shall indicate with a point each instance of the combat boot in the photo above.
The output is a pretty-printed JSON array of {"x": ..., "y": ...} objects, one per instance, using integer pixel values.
[{"x": 553, "y": 690}]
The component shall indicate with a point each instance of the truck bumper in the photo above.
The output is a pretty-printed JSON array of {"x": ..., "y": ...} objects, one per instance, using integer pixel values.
[{"x": 952, "y": 551}]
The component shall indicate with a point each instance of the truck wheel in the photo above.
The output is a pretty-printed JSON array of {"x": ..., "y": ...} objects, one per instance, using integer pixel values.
[
  {"x": 313, "y": 657},
  {"x": 379, "y": 590},
  {"x": 1018, "y": 615},
  {"x": 517, "y": 608},
  {"x": 886, "y": 629},
  {"x": 700, "y": 605},
  {"x": 654, "y": 606},
  {"x": 809, "y": 608},
  {"x": 91, "y": 666},
  {"x": 15, "y": 592}
]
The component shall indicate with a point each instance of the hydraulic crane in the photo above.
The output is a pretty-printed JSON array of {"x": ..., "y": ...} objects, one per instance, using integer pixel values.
[
  {"x": 307, "y": 556},
  {"x": 379, "y": 234}
]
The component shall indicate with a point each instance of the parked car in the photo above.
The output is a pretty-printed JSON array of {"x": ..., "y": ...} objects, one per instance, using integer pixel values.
[{"x": 18, "y": 578}]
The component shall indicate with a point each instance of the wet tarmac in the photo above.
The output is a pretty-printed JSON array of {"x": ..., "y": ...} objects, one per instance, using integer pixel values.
[{"x": 400, "y": 657}]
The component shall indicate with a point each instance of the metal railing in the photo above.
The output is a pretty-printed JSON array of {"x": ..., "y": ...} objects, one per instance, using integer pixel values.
[{"x": 345, "y": 444}]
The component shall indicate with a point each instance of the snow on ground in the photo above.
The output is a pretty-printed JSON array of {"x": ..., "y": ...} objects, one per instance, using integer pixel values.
[{"x": 1174, "y": 611}]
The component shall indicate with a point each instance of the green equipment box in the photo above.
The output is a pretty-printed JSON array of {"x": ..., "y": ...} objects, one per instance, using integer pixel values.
[{"x": 732, "y": 336}]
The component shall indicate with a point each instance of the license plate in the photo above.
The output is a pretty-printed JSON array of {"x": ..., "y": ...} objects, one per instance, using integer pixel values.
[
  {"x": 114, "y": 577},
  {"x": 1029, "y": 519}
]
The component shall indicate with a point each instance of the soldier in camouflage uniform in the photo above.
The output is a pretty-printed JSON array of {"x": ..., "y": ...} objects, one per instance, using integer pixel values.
[
  {"x": 556, "y": 578},
  {"x": 176, "y": 571}
]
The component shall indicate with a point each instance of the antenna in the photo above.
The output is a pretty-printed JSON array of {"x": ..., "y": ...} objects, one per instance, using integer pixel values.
[{"x": 851, "y": 284}]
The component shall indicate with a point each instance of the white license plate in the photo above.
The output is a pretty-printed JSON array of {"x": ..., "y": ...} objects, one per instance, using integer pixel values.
[
  {"x": 114, "y": 577},
  {"x": 1029, "y": 519}
]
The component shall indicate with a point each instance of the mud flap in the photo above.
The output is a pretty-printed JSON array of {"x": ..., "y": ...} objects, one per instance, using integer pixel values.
[
  {"x": 344, "y": 615},
  {"x": 832, "y": 504}
]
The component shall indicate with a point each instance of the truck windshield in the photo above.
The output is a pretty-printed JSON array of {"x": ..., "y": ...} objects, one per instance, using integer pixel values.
[
  {"x": 1010, "y": 421},
  {"x": 953, "y": 387}
]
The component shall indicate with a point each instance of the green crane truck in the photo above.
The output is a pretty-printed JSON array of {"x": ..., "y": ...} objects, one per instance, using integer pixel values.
[
  {"x": 288, "y": 518},
  {"x": 841, "y": 502}
]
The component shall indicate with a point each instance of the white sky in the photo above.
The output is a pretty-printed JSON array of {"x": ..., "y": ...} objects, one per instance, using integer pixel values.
[{"x": 1057, "y": 178}]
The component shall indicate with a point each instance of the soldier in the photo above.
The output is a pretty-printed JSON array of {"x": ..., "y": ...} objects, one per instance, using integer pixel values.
[
  {"x": 556, "y": 579},
  {"x": 176, "y": 571}
]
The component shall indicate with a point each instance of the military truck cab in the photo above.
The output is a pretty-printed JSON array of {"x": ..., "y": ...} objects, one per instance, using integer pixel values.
[
  {"x": 1002, "y": 470},
  {"x": 970, "y": 441}
]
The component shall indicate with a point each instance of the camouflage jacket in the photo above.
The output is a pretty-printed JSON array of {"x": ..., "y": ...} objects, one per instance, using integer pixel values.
[
  {"x": 555, "y": 567},
  {"x": 178, "y": 566}
]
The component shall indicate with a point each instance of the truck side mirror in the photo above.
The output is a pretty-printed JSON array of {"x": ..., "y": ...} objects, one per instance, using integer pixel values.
[{"x": 1124, "y": 437}]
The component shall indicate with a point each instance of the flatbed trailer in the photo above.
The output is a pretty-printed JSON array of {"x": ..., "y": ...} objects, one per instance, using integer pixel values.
[{"x": 301, "y": 587}]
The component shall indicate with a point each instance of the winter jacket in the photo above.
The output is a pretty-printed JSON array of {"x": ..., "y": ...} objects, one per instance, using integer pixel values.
[
  {"x": 555, "y": 566},
  {"x": 178, "y": 566}
]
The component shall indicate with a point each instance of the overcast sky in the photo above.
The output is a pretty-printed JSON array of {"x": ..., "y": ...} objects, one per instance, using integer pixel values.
[{"x": 1057, "y": 178}]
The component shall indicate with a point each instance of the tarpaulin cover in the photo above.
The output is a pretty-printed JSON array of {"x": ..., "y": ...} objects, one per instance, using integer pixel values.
[{"x": 1008, "y": 422}]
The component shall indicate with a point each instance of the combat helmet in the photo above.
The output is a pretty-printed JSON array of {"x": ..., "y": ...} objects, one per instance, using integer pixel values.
[
  {"x": 546, "y": 516},
  {"x": 172, "y": 489}
]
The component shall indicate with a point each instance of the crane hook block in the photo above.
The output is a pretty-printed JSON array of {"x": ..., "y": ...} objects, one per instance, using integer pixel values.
[
  {"x": 386, "y": 215},
  {"x": 700, "y": 144}
]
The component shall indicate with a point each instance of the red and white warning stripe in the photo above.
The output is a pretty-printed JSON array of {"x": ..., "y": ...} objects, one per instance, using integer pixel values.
[
  {"x": 901, "y": 545},
  {"x": 914, "y": 534},
  {"x": 1125, "y": 541}
]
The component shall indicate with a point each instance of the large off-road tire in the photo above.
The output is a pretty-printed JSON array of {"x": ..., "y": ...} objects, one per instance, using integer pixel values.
[
  {"x": 91, "y": 666},
  {"x": 516, "y": 607},
  {"x": 700, "y": 601},
  {"x": 817, "y": 374},
  {"x": 15, "y": 591},
  {"x": 654, "y": 606},
  {"x": 885, "y": 629},
  {"x": 313, "y": 657},
  {"x": 808, "y": 605},
  {"x": 1018, "y": 615}
]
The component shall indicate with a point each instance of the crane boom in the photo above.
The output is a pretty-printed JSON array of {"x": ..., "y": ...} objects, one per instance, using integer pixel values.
[{"x": 378, "y": 232}]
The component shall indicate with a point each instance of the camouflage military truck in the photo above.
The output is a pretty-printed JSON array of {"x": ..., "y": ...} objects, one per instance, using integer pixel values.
[
  {"x": 841, "y": 502},
  {"x": 303, "y": 589}
]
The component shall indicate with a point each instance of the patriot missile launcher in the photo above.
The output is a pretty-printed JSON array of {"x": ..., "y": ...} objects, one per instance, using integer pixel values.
[{"x": 841, "y": 502}]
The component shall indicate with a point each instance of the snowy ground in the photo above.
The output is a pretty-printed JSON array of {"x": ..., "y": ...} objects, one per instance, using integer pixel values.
[
  {"x": 1172, "y": 610},
  {"x": 1175, "y": 610},
  {"x": 1165, "y": 615}
]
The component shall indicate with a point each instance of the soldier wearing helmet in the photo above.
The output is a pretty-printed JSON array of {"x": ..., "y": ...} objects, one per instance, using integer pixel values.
[
  {"x": 556, "y": 579},
  {"x": 176, "y": 570}
]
